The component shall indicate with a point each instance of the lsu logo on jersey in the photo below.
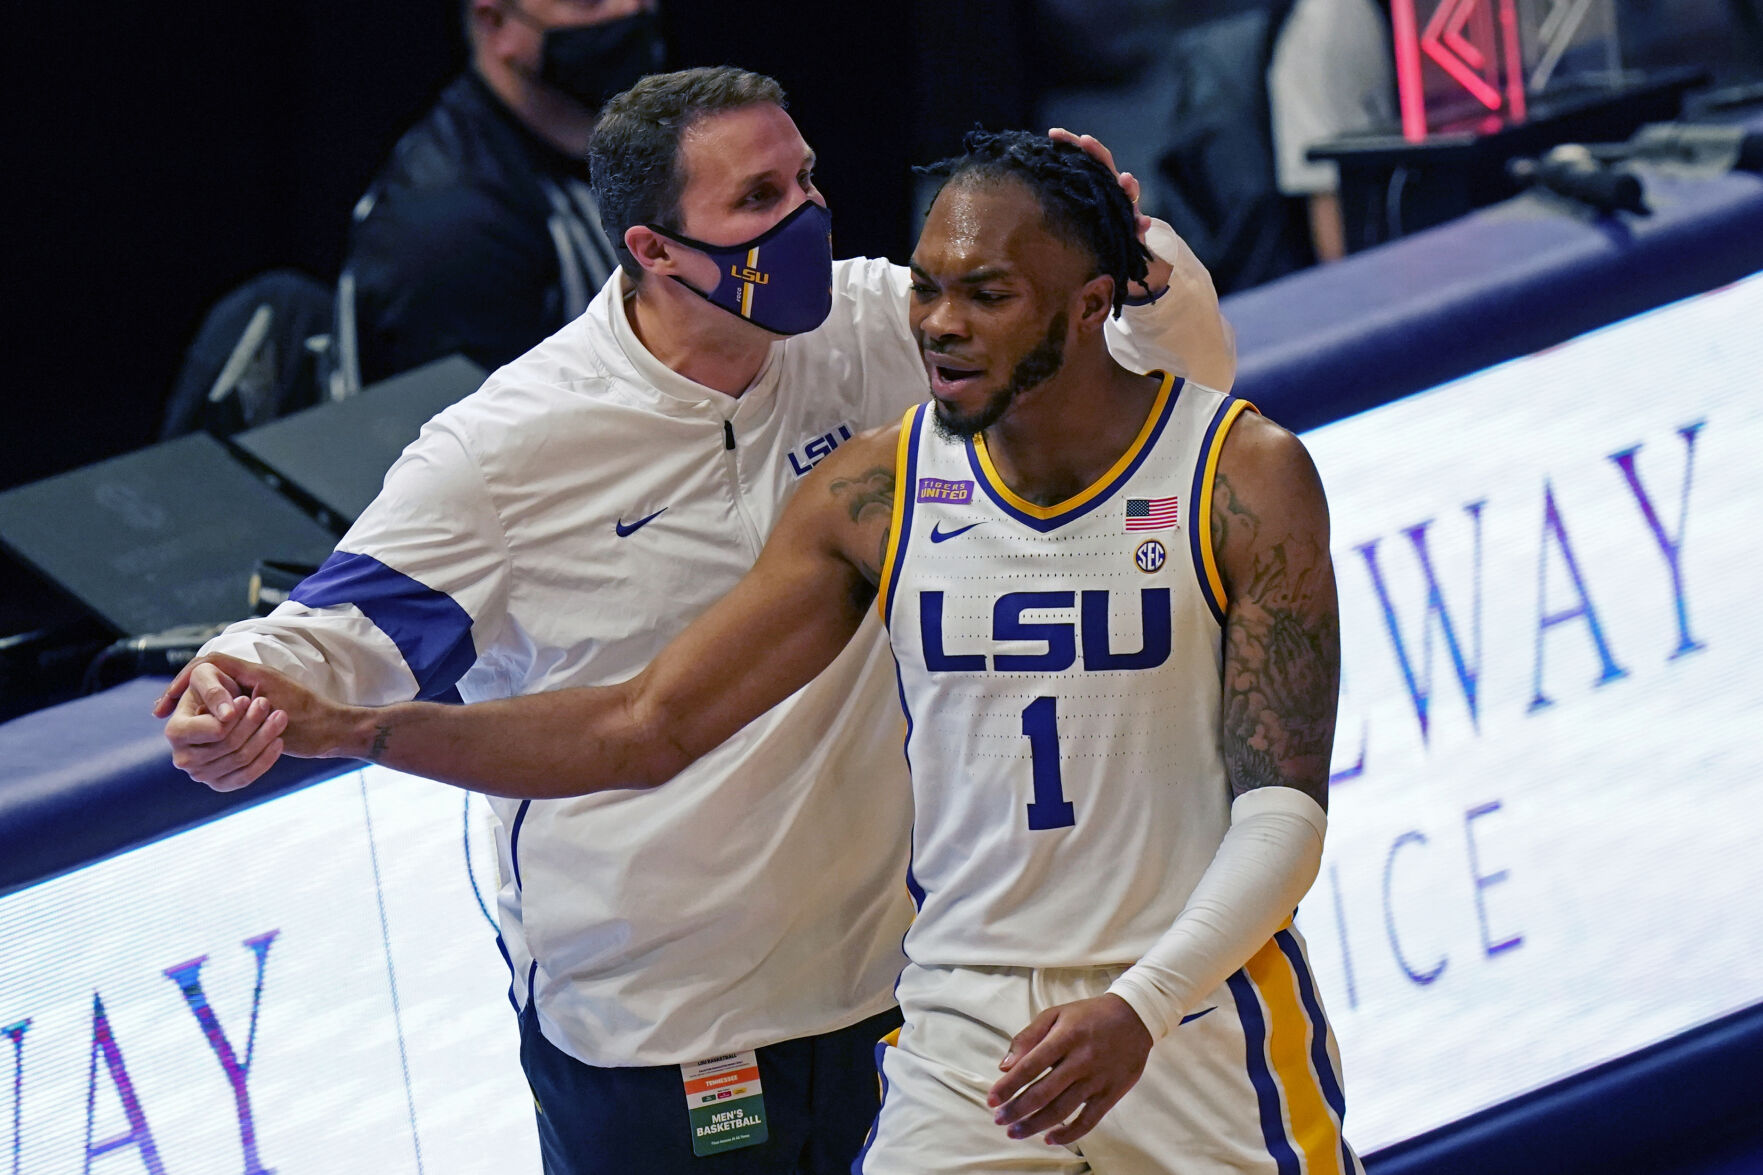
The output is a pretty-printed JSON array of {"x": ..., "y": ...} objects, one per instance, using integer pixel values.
[
  {"x": 818, "y": 450},
  {"x": 1060, "y": 639}
]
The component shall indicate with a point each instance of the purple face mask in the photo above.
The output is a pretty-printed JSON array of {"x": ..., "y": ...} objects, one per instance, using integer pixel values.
[{"x": 781, "y": 280}]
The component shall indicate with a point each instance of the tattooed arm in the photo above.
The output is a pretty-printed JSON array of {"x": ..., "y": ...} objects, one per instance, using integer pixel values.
[
  {"x": 1281, "y": 668},
  {"x": 781, "y": 625},
  {"x": 1280, "y": 675},
  {"x": 1282, "y": 649}
]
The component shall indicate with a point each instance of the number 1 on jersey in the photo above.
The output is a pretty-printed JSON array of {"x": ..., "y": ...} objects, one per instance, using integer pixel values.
[{"x": 1050, "y": 808}]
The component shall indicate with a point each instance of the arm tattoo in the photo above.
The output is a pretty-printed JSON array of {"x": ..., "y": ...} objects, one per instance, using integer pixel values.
[
  {"x": 382, "y": 734},
  {"x": 1230, "y": 518},
  {"x": 869, "y": 498},
  {"x": 1281, "y": 660}
]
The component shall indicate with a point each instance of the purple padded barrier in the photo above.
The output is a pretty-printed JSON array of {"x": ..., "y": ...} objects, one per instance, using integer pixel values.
[
  {"x": 1502, "y": 282},
  {"x": 93, "y": 777},
  {"x": 1685, "y": 1106}
]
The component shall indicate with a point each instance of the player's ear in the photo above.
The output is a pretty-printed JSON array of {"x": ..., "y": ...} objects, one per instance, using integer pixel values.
[{"x": 1095, "y": 302}]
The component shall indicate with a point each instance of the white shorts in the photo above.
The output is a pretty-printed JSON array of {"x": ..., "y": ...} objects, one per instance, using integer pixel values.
[{"x": 1249, "y": 1082}]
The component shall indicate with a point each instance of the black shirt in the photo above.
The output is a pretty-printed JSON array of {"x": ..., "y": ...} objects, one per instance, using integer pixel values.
[{"x": 476, "y": 237}]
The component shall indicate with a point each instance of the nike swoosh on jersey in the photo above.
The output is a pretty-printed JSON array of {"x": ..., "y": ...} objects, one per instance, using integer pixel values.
[
  {"x": 1197, "y": 1015},
  {"x": 626, "y": 529},
  {"x": 938, "y": 534}
]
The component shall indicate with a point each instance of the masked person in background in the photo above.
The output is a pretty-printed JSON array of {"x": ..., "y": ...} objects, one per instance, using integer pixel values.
[
  {"x": 556, "y": 528},
  {"x": 479, "y": 235}
]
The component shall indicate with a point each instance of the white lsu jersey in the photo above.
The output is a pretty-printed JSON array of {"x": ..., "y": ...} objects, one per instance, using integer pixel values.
[{"x": 1060, "y": 671}]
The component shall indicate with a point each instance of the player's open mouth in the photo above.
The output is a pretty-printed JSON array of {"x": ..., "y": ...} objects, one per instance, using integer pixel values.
[{"x": 948, "y": 380}]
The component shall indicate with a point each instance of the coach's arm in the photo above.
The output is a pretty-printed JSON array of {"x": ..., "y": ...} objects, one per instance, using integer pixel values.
[{"x": 785, "y": 621}]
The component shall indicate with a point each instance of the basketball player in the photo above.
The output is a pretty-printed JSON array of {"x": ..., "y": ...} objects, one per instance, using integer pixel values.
[{"x": 1110, "y": 601}]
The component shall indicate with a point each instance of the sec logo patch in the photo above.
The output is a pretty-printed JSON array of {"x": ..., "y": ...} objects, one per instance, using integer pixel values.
[{"x": 1150, "y": 555}]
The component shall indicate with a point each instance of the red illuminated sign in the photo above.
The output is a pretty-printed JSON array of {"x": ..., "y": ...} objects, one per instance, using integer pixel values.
[{"x": 1457, "y": 62}]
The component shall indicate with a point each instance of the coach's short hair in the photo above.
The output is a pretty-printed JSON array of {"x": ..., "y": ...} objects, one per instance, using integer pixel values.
[
  {"x": 1081, "y": 199},
  {"x": 633, "y": 156}
]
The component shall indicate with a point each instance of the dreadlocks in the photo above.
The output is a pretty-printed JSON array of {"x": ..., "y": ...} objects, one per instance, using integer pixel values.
[{"x": 1080, "y": 198}]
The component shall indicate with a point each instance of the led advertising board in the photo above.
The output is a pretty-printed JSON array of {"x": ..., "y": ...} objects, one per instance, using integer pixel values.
[
  {"x": 1548, "y": 787},
  {"x": 309, "y": 985}
]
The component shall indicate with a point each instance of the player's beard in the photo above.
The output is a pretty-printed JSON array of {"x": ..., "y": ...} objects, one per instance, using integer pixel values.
[{"x": 1037, "y": 367}]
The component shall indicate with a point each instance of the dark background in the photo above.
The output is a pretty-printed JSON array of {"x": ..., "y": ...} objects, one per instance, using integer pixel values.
[
  {"x": 160, "y": 154},
  {"x": 168, "y": 152},
  {"x": 163, "y": 153}
]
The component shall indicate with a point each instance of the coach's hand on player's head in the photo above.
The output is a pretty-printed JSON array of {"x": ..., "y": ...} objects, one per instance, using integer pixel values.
[
  {"x": 1158, "y": 279},
  {"x": 218, "y": 735},
  {"x": 1091, "y": 1052}
]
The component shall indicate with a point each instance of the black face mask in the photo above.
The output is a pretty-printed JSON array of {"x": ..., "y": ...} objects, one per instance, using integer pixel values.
[{"x": 593, "y": 62}]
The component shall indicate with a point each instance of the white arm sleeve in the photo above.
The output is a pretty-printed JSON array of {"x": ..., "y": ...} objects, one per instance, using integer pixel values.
[
  {"x": 437, "y": 542},
  {"x": 1183, "y": 330},
  {"x": 1265, "y": 864}
]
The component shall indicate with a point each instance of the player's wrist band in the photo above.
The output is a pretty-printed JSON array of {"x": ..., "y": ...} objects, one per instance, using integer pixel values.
[
  {"x": 1143, "y": 299},
  {"x": 1266, "y": 862}
]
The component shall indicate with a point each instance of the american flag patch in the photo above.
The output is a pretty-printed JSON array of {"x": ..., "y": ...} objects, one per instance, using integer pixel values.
[{"x": 1150, "y": 513}]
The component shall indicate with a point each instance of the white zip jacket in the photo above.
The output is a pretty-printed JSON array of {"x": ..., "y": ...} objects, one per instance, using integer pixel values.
[{"x": 557, "y": 528}]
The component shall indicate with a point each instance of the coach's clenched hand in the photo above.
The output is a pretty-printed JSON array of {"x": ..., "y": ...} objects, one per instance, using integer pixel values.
[
  {"x": 287, "y": 717},
  {"x": 218, "y": 737},
  {"x": 1090, "y": 1052}
]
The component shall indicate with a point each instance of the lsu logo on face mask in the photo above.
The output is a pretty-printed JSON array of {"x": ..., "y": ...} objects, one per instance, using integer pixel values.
[
  {"x": 1060, "y": 639},
  {"x": 798, "y": 252}
]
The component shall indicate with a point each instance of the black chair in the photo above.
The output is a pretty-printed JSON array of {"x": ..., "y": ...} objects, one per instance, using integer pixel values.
[{"x": 263, "y": 350}]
